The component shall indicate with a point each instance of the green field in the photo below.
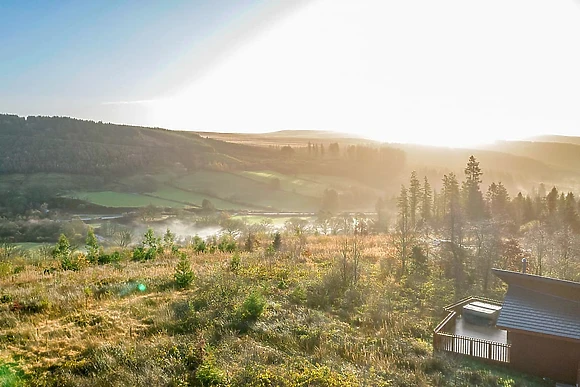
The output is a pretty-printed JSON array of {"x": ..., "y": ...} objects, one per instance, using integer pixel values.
[
  {"x": 240, "y": 189},
  {"x": 243, "y": 190},
  {"x": 29, "y": 245},
  {"x": 338, "y": 183},
  {"x": 47, "y": 181},
  {"x": 194, "y": 198},
  {"x": 121, "y": 199},
  {"x": 287, "y": 182}
]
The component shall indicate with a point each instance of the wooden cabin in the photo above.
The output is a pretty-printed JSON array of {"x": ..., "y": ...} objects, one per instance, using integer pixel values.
[
  {"x": 535, "y": 330},
  {"x": 542, "y": 318}
]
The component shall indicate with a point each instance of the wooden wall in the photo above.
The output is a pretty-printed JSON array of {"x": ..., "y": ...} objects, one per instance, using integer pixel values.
[{"x": 545, "y": 356}]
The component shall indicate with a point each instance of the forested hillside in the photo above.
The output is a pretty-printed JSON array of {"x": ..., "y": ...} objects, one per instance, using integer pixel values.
[{"x": 66, "y": 145}]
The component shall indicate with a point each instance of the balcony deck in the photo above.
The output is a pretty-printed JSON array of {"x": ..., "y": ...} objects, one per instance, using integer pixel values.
[
  {"x": 463, "y": 328},
  {"x": 456, "y": 335}
]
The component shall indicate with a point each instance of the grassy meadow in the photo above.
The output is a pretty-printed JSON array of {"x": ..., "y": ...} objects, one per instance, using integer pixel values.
[
  {"x": 123, "y": 200},
  {"x": 256, "y": 190},
  {"x": 306, "y": 315}
]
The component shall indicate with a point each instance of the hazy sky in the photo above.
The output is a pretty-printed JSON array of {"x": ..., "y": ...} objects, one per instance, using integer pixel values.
[{"x": 436, "y": 72}]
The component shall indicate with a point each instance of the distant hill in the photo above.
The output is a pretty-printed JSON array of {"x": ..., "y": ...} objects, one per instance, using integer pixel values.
[
  {"x": 291, "y": 137},
  {"x": 66, "y": 145},
  {"x": 121, "y": 166},
  {"x": 563, "y": 156},
  {"x": 556, "y": 138},
  {"x": 121, "y": 155}
]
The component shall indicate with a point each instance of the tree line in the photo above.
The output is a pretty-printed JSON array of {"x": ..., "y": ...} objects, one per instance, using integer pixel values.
[{"x": 475, "y": 230}]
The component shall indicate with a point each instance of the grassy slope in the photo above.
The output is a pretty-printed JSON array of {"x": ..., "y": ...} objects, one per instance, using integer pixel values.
[
  {"x": 195, "y": 198},
  {"x": 560, "y": 155},
  {"x": 240, "y": 189},
  {"x": 122, "y": 199},
  {"x": 96, "y": 328},
  {"x": 308, "y": 184},
  {"x": 287, "y": 183}
]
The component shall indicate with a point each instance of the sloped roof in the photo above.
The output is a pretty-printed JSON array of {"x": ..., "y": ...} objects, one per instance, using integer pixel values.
[
  {"x": 546, "y": 285},
  {"x": 540, "y": 305},
  {"x": 527, "y": 310}
]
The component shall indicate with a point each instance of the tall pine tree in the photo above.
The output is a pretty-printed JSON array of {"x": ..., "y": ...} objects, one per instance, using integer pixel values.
[
  {"x": 472, "y": 196},
  {"x": 414, "y": 197}
]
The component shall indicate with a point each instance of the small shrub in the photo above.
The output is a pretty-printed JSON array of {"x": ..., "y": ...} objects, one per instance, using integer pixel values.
[
  {"x": 114, "y": 257},
  {"x": 298, "y": 296},
  {"x": 150, "y": 247},
  {"x": 227, "y": 245},
  {"x": 208, "y": 374},
  {"x": 235, "y": 262},
  {"x": 31, "y": 305},
  {"x": 5, "y": 269},
  {"x": 253, "y": 307},
  {"x": 72, "y": 262},
  {"x": 17, "y": 269},
  {"x": 183, "y": 275},
  {"x": 277, "y": 242},
  {"x": 92, "y": 246},
  {"x": 11, "y": 375}
]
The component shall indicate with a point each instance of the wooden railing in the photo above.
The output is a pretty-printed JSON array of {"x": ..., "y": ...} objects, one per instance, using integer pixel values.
[
  {"x": 469, "y": 346},
  {"x": 484, "y": 349}
]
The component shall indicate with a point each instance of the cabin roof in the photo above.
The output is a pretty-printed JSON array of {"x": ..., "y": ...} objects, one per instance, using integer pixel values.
[
  {"x": 546, "y": 285},
  {"x": 540, "y": 305}
]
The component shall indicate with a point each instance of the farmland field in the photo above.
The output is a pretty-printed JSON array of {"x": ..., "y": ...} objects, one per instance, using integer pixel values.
[
  {"x": 195, "y": 198},
  {"x": 240, "y": 189},
  {"x": 338, "y": 183},
  {"x": 121, "y": 199},
  {"x": 287, "y": 183},
  {"x": 29, "y": 245}
]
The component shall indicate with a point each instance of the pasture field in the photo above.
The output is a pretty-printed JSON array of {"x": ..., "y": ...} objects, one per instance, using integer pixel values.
[
  {"x": 196, "y": 199},
  {"x": 339, "y": 183},
  {"x": 243, "y": 190},
  {"x": 123, "y": 199},
  {"x": 29, "y": 245},
  {"x": 47, "y": 181},
  {"x": 287, "y": 182}
]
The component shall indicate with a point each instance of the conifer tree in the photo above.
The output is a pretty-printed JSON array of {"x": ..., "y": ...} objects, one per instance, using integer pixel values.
[
  {"x": 472, "y": 196},
  {"x": 426, "y": 200},
  {"x": 404, "y": 233},
  {"x": 414, "y": 197},
  {"x": 92, "y": 246},
  {"x": 183, "y": 275}
]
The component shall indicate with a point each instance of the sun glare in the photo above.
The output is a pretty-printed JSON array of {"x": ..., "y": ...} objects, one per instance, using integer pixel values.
[{"x": 387, "y": 71}]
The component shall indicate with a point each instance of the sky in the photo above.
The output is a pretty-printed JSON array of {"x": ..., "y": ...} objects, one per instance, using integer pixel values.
[{"x": 447, "y": 72}]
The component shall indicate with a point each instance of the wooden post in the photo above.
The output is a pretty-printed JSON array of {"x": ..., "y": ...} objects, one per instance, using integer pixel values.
[
  {"x": 489, "y": 350},
  {"x": 471, "y": 341}
]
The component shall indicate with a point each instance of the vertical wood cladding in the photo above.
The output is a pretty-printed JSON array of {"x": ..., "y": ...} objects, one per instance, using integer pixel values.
[{"x": 545, "y": 356}]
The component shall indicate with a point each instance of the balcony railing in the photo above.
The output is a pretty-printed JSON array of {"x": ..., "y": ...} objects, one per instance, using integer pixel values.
[{"x": 445, "y": 340}]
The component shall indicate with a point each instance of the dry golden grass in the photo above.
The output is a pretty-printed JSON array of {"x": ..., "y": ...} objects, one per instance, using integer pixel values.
[{"x": 96, "y": 327}]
